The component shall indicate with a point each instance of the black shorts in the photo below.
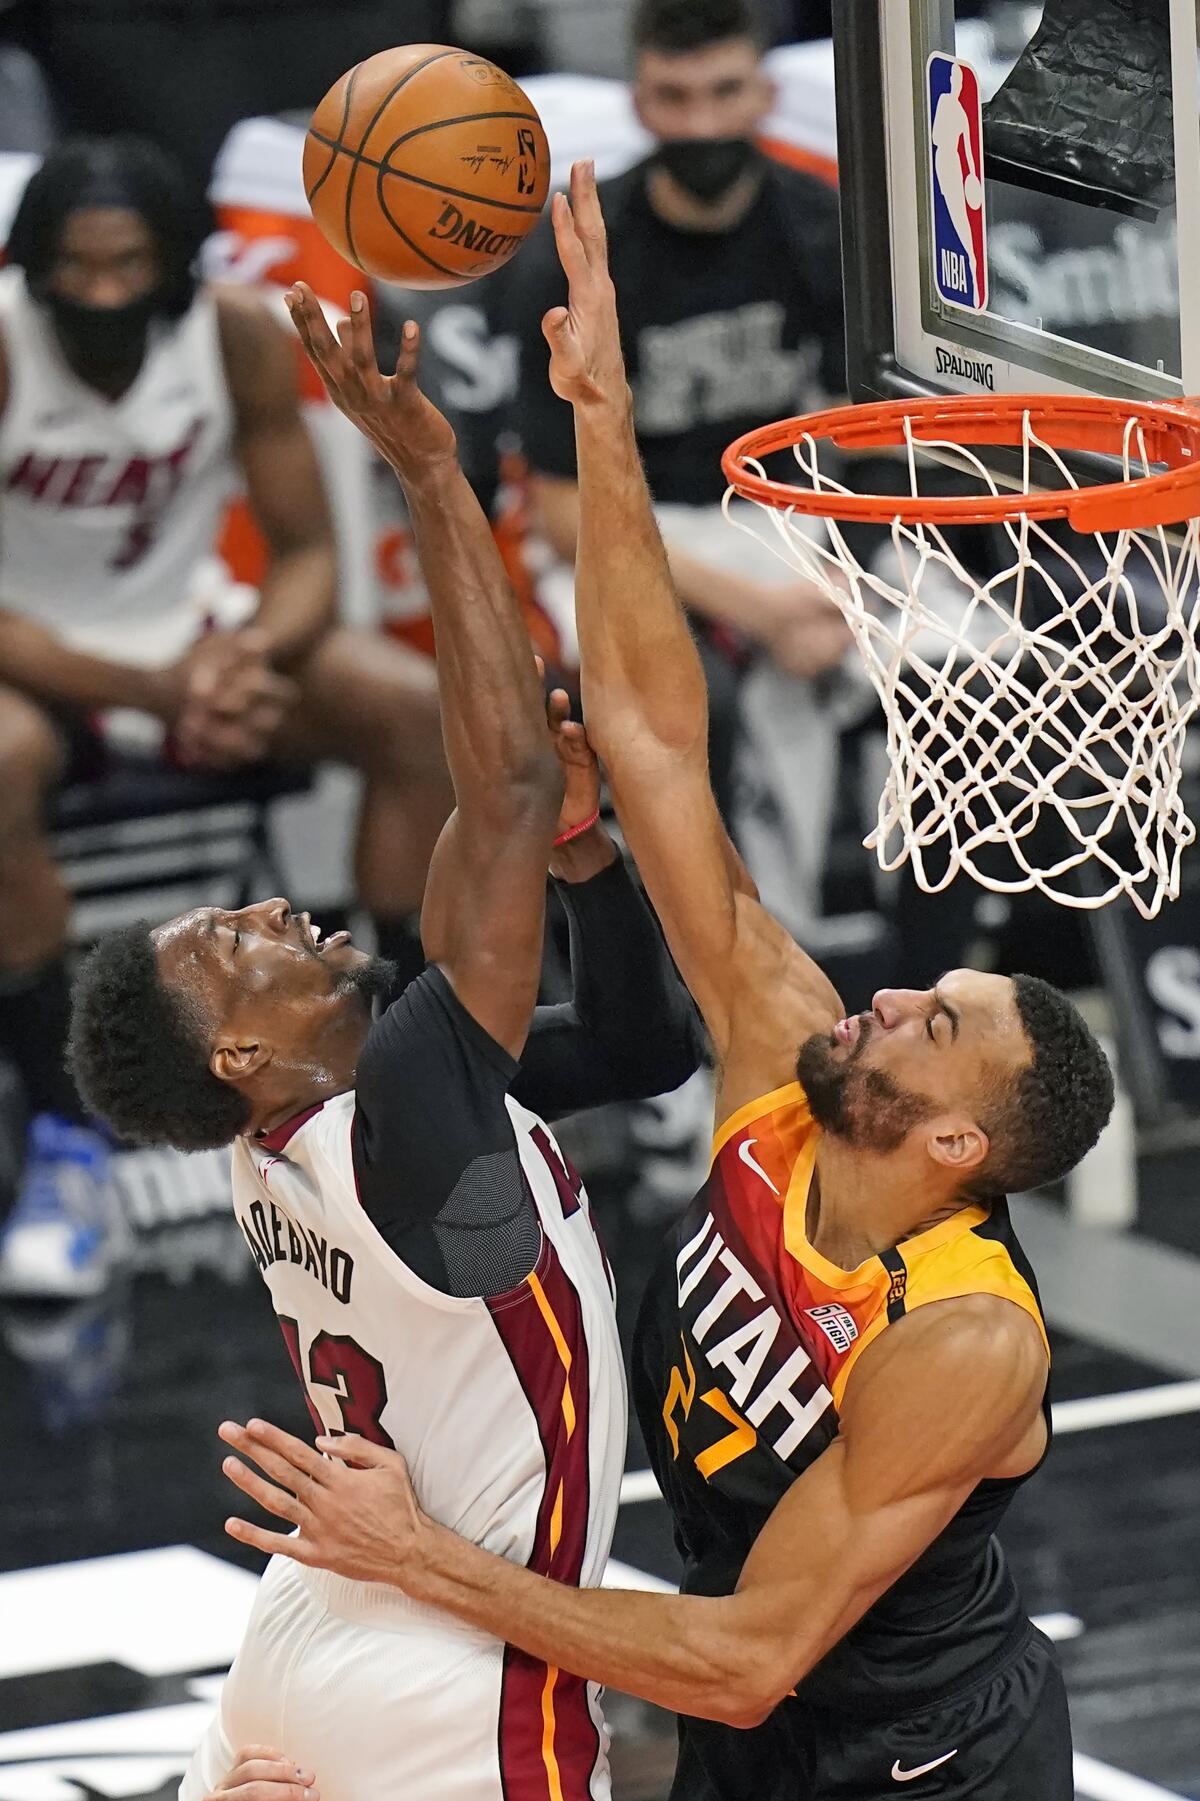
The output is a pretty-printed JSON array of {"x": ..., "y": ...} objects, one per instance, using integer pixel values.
[{"x": 1006, "y": 1738}]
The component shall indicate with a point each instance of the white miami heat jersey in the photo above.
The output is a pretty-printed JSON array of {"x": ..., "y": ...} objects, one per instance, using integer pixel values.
[
  {"x": 110, "y": 509},
  {"x": 511, "y": 1415}
]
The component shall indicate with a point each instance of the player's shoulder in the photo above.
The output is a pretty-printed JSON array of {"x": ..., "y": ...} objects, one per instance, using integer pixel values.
[
  {"x": 426, "y": 1019},
  {"x": 979, "y": 1270}
]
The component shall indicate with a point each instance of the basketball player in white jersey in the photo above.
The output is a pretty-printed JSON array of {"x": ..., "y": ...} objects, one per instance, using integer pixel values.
[
  {"x": 133, "y": 403},
  {"x": 430, "y": 1254}
]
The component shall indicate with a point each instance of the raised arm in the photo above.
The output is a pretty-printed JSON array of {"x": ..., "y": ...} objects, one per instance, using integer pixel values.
[
  {"x": 482, "y": 921},
  {"x": 645, "y": 700},
  {"x": 630, "y": 1030}
]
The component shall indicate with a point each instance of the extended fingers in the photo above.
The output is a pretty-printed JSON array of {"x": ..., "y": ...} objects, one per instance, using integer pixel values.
[
  {"x": 571, "y": 252},
  {"x": 358, "y": 341},
  {"x": 410, "y": 351},
  {"x": 315, "y": 334},
  {"x": 290, "y": 1468},
  {"x": 588, "y": 215},
  {"x": 271, "y": 1544},
  {"x": 278, "y": 1501},
  {"x": 261, "y": 1433}
]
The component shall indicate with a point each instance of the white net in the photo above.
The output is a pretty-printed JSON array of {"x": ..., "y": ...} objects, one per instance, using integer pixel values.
[{"x": 1037, "y": 682}]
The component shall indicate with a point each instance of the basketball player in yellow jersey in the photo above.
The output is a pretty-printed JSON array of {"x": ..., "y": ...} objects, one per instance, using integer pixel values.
[{"x": 841, "y": 1364}]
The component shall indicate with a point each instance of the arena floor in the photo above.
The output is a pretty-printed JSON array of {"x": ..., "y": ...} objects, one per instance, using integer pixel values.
[{"x": 108, "y": 1667}]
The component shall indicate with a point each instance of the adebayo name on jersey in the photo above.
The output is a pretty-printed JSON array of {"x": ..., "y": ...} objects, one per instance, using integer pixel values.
[{"x": 275, "y": 1237}]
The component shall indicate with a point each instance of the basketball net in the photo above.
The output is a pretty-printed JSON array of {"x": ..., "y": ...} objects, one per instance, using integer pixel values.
[{"x": 1036, "y": 714}]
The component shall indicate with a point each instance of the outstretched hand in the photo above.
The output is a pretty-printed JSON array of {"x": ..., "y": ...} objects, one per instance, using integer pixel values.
[
  {"x": 401, "y": 422},
  {"x": 587, "y": 364},
  {"x": 354, "y": 1508}
]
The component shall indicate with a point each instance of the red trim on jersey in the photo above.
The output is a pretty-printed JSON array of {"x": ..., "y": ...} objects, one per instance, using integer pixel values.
[
  {"x": 546, "y": 1728},
  {"x": 277, "y": 1138}
]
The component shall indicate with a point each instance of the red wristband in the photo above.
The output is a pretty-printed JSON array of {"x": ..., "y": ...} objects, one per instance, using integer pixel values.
[{"x": 577, "y": 831}]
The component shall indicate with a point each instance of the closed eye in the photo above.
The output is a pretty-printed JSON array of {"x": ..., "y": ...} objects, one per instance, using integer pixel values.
[
  {"x": 929, "y": 1029},
  {"x": 237, "y": 939}
]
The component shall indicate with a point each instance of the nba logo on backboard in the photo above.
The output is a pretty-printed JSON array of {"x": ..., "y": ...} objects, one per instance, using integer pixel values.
[{"x": 960, "y": 273}]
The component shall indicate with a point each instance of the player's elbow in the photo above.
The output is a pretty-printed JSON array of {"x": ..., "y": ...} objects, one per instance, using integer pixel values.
[
  {"x": 759, "y": 1688},
  {"x": 737, "y": 1681},
  {"x": 745, "y": 1711}
]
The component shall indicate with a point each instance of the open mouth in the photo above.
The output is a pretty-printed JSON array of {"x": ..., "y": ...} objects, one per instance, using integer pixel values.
[{"x": 315, "y": 942}]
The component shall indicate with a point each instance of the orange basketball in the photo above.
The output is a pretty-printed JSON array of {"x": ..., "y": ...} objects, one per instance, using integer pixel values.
[{"x": 426, "y": 166}]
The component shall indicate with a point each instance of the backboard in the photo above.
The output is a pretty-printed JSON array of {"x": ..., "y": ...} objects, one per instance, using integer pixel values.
[{"x": 1084, "y": 117}]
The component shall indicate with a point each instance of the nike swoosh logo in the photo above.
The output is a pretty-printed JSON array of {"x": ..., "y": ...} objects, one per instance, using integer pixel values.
[
  {"x": 746, "y": 1153},
  {"x": 899, "y": 1775}
]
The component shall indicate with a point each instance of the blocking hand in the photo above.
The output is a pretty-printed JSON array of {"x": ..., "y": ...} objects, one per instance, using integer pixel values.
[
  {"x": 401, "y": 422},
  {"x": 587, "y": 364}
]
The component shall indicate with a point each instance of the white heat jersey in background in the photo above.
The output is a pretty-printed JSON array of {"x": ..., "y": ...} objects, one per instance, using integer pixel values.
[
  {"x": 511, "y": 1415},
  {"x": 110, "y": 509}
]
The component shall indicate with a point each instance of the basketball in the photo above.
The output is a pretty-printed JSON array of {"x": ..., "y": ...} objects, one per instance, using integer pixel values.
[
  {"x": 972, "y": 191},
  {"x": 426, "y": 166}
]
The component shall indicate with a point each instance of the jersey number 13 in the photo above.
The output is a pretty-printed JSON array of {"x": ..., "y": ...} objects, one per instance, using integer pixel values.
[{"x": 356, "y": 1378}]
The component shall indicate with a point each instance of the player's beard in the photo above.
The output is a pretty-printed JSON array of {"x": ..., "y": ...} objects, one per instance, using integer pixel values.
[
  {"x": 376, "y": 979},
  {"x": 863, "y": 1107}
]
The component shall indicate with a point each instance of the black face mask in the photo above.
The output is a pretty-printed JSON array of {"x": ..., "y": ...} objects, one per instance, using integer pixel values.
[
  {"x": 706, "y": 168},
  {"x": 104, "y": 339}
]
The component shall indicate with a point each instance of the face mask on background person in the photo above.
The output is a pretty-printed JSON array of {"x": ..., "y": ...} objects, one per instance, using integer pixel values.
[
  {"x": 706, "y": 168},
  {"x": 102, "y": 337}
]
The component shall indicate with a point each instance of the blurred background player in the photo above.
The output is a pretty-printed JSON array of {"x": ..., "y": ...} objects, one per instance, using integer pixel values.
[{"x": 133, "y": 402}]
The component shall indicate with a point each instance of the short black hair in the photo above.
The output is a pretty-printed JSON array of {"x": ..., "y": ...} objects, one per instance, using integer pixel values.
[
  {"x": 139, "y": 1055},
  {"x": 118, "y": 171},
  {"x": 677, "y": 26},
  {"x": 1055, "y": 1110}
]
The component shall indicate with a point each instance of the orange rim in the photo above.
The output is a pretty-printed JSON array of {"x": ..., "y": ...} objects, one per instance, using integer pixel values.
[{"x": 1170, "y": 433}]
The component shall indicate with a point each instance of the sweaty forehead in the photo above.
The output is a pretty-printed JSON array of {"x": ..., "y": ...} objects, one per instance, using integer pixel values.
[
  {"x": 987, "y": 1008},
  {"x": 186, "y": 949}
]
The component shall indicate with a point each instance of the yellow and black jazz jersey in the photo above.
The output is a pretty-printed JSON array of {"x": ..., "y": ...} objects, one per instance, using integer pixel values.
[{"x": 746, "y": 1340}]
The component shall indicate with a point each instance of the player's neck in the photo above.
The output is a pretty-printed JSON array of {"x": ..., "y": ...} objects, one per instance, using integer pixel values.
[
  {"x": 297, "y": 1083},
  {"x": 861, "y": 1203},
  {"x": 675, "y": 206}
]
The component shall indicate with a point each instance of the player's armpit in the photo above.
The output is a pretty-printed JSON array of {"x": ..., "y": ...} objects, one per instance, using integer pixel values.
[{"x": 947, "y": 1398}]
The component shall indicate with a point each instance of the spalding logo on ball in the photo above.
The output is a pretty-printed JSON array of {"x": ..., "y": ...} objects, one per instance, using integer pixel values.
[{"x": 426, "y": 166}]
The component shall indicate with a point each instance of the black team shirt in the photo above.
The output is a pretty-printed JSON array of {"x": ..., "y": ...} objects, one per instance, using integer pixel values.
[{"x": 722, "y": 331}]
